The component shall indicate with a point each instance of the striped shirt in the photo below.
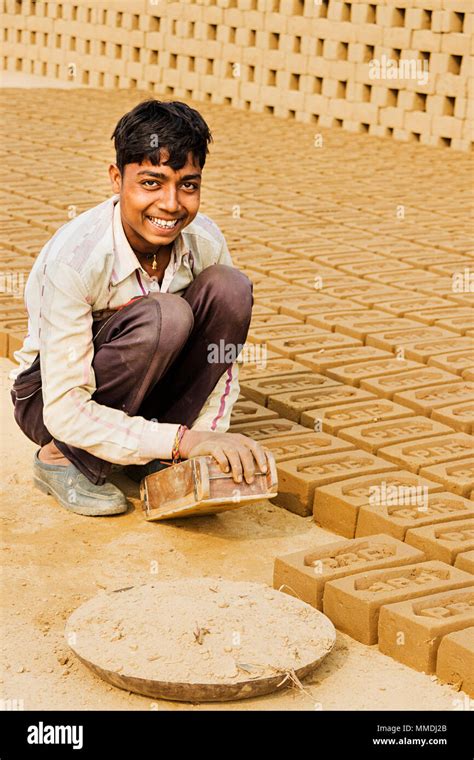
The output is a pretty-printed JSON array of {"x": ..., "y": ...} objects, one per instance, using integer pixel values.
[{"x": 88, "y": 266}]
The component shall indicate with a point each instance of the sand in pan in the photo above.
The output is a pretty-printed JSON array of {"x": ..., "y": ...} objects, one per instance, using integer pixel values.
[{"x": 199, "y": 631}]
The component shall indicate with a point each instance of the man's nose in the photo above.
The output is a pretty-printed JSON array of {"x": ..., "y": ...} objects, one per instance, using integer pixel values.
[{"x": 169, "y": 200}]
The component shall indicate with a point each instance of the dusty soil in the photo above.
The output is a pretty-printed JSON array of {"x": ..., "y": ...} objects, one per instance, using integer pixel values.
[{"x": 55, "y": 560}]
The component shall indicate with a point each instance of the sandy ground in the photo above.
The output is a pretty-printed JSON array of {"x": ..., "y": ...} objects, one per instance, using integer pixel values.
[{"x": 55, "y": 560}]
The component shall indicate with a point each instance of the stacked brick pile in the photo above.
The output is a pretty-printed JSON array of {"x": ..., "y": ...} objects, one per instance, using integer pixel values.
[
  {"x": 400, "y": 68},
  {"x": 359, "y": 368}
]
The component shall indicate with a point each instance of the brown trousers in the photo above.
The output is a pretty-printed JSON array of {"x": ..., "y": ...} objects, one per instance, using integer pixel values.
[{"x": 151, "y": 358}]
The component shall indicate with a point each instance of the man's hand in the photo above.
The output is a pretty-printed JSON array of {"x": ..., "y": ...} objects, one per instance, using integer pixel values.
[{"x": 231, "y": 451}]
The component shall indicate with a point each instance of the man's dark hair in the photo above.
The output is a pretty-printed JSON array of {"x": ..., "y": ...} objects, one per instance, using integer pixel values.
[{"x": 154, "y": 124}]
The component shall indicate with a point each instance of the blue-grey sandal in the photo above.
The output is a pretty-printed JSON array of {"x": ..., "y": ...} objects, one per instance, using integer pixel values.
[{"x": 75, "y": 492}]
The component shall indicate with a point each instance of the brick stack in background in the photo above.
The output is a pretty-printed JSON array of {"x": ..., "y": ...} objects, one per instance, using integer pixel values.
[{"x": 307, "y": 60}]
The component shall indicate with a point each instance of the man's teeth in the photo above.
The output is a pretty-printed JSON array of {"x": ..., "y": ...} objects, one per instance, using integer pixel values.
[{"x": 163, "y": 222}]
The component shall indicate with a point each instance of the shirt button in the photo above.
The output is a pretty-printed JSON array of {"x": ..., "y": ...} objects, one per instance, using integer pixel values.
[{"x": 154, "y": 285}]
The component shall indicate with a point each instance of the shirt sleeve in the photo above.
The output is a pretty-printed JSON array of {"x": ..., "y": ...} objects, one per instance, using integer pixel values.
[{"x": 68, "y": 381}]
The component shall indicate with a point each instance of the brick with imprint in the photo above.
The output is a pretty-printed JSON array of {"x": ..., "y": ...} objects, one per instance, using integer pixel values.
[
  {"x": 426, "y": 452},
  {"x": 400, "y": 512},
  {"x": 433, "y": 316},
  {"x": 248, "y": 411},
  {"x": 301, "y": 305},
  {"x": 388, "y": 386},
  {"x": 272, "y": 320},
  {"x": 337, "y": 506},
  {"x": 443, "y": 541},
  {"x": 296, "y": 346},
  {"x": 457, "y": 477},
  {"x": 424, "y": 400},
  {"x": 305, "y": 573},
  {"x": 323, "y": 361},
  {"x": 363, "y": 327},
  {"x": 259, "y": 390},
  {"x": 455, "y": 661},
  {"x": 292, "y": 405},
  {"x": 389, "y": 340},
  {"x": 400, "y": 307},
  {"x": 269, "y": 367},
  {"x": 354, "y": 374},
  {"x": 298, "y": 478},
  {"x": 306, "y": 444},
  {"x": 334, "y": 418},
  {"x": 468, "y": 374},
  {"x": 411, "y": 631},
  {"x": 329, "y": 320},
  {"x": 374, "y": 435},
  {"x": 456, "y": 361},
  {"x": 353, "y": 603},
  {"x": 459, "y": 324},
  {"x": 269, "y": 333},
  {"x": 277, "y": 426},
  {"x": 425, "y": 350},
  {"x": 465, "y": 561},
  {"x": 459, "y": 417}
]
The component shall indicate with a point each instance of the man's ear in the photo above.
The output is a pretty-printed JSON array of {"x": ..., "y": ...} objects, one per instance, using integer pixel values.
[{"x": 115, "y": 178}]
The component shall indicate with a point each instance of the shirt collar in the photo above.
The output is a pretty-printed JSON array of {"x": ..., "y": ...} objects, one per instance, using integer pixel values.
[{"x": 125, "y": 261}]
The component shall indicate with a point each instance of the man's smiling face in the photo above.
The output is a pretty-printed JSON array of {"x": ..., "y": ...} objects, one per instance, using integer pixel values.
[{"x": 156, "y": 202}]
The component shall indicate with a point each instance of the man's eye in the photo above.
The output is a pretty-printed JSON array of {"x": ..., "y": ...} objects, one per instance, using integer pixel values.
[
  {"x": 190, "y": 186},
  {"x": 150, "y": 182}
]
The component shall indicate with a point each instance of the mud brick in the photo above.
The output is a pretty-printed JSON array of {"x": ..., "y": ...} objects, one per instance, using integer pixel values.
[
  {"x": 299, "y": 330},
  {"x": 301, "y": 306},
  {"x": 353, "y": 603},
  {"x": 457, "y": 362},
  {"x": 433, "y": 316},
  {"x": 260, "y": 390},
  {"x": 299, "y": 478},
  {"x": 329, "y": 320},
  {"x": 337, "y": 506},
  {"x": 402, "y": 306},
  {"x": 305, "y": 573},
  {"x": 457, "y": 324},
  {"x": 373, "y": 435},
  {"x": 296, "y": 346},
  {"x": 292, "y": 405},
  {"x": 269, "y": 367},
  {"x": 272, "y": 320},
  {"x": 376, "y": 298},
  {"x": 424, "y": 400},
  {"x": 458, "y": 416},
  {"x": 422, "y": 352},
  {"x": 334, "y": 418},
  {"x": 465, "y": 561},
  {"x": 464, "y": 299},
  {"x": 321, "y": 361},
  {"x": 392, "y": 339},
  {"x": 411, "y": 631},
  {"x": 455, "y": 662},
  {"x": 305, "y": 444},
  {"x": 368, "y": 326},
  {"x": 248, "y": 411},
  {"x": 387, "y": 387},
  {"x": 414, "y": 509},
  {"x": 363, "y": 289},
  {"x": 15, "y": 342},
  {"x": 429, "y": 451},
  {"x": 443, "y": 541},
  {"x": 259, "y": 431},
  {"x": 353, "y": 374},
  {"x": 468, "y": 374},
  {"x": 455, "y": 476}
]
